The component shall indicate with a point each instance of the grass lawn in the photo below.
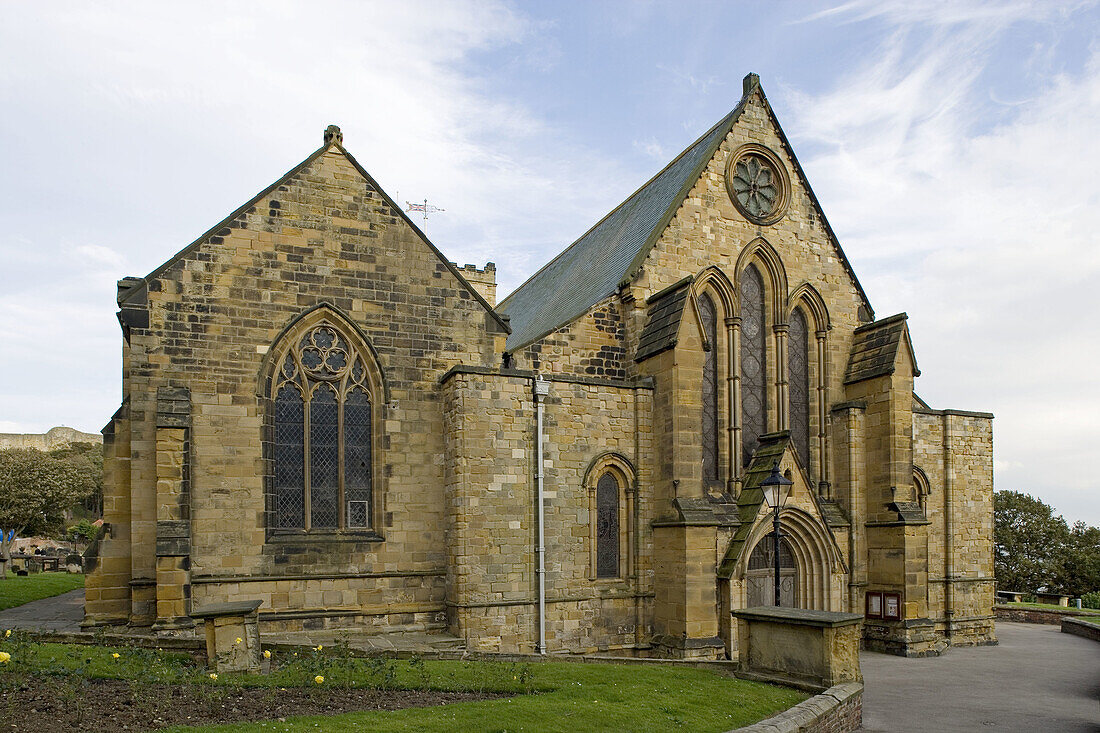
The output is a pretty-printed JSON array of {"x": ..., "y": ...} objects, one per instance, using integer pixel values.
[
  {"x": 1052, "y": 607},
  {"x": 544, "y": 696},
  {"x": 16, "y": 590}
]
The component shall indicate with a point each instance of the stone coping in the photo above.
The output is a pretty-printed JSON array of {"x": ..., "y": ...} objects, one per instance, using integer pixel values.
[
  {"x": 238, "y": 608},
  {"x": 798, "y": 616},
  {"x": 813, "y": 714},
  {"x": 1080, "y": 627}
]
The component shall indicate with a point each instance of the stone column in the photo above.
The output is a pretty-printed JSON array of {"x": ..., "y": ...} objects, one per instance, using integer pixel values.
[
  {"x": 733, "y": 384},
  {"x": 824, "y": 488},
  {"x": 173, "y": 589},
  {"x": 782, "y": 400}
]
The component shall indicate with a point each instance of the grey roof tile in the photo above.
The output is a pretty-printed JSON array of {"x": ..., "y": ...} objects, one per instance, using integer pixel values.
[
  {"x": 592, "y": 268},
  {"x": 663, "y": 321},
  {"x": 875, "y": 349}
]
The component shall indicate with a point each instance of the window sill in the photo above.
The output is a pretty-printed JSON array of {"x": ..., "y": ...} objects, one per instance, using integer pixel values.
[{"x": 322, "y": 536}]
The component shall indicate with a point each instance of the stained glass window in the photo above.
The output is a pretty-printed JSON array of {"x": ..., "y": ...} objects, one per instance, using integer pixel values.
[
  {"x": 607, "y": 526},
  {"x": 799, "y": 380},
  {"x": 322, "y": 435},
  {"x": 710, "y": 391},
  {"x": 754, "y": 388}
]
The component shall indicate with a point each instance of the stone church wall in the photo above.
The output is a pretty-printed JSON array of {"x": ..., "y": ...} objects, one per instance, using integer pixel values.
[
  {"x": 491, "y": 581},
  {"x": 325, "y": 236},
  {"x": 965, "y": 578}
]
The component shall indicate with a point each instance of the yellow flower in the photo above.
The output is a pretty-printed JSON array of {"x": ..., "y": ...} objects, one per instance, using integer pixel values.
[
  {"x": 7, "y": 633},
  {"x": 239, "y": 640},
  {"x": 4, "y": 657},
  {"x": 214, "y": 676},
  {"x": 267, "y": 654},
  {"x": 320, "y": 647},
  {"x": 114, "y": 656},
  {"x": 319, "y": 679}
]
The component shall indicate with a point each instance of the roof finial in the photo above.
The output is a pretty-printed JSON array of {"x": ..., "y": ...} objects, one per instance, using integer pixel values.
[
  {"x": 333, "y": 135},
  {"x": 750, "y": 83}
]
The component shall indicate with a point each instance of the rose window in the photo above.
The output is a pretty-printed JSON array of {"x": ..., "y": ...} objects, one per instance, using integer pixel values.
[{"x": 757, "y": 184}]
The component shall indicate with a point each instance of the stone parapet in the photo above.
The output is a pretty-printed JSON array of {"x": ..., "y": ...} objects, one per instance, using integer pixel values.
[{"x": 837, "y": 710}]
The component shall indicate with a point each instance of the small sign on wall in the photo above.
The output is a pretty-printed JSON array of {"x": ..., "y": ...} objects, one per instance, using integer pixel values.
[
  {"x": 874, "y": 604},
  {"x": 891, "y": 606}
]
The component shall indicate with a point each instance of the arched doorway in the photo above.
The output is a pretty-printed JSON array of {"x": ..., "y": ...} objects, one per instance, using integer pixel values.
[{"x": 760, "y": 575}]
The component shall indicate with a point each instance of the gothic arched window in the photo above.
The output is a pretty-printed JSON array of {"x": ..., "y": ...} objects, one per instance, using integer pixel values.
[
  {"x": 709, "y": 320},
  {"x": 754, "y": 359},
  {"x": 798, "y": 363},
  {"x": 607, "y": 526},
  {"x": 322, "y": 434}
]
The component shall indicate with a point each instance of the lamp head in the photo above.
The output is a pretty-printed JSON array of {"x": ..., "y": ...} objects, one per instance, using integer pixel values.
[{"x": 777, "y": 488}]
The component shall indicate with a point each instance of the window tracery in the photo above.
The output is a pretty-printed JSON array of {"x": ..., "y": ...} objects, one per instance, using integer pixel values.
[
  {"x": 322, "y": 434},
  {"x": 754, "y": 388},
  {"x": 709, "y": 319},
  {"x": 798, "y": 363}
]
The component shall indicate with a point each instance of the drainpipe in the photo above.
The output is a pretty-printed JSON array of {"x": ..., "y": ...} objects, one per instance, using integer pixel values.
[
  {"x": 542, "y": 388},
  {"x": 948, "y": 539}
]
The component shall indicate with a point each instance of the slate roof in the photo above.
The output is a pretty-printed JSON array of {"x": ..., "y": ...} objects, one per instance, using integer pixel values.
[
  {"x": 875, "y": 349},
  {"x": 594, "y": 266},
  {"x": 772, "y": 447},
  {"x": 609, "y": 254},
  {"x": 663, "y": 320}
]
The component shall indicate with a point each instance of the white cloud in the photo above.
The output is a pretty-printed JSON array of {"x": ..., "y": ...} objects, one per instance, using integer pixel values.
[{"x": 983, "y": 233}]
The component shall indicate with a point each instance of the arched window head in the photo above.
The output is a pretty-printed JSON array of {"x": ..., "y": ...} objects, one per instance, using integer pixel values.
[
  {"x": 798, "y": 377},
  {"x": 754, "y": 359},
  {"x": 323, "y": 433},
  {"x": 709, "y": 432},
  {"x": 607, "y": 526}
]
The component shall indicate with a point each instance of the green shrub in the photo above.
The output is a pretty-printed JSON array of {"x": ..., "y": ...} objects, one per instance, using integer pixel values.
[{"x": 1091, "y": 600}]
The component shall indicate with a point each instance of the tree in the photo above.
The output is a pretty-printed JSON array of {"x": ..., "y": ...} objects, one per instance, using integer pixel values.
[
  {"x": 37, "y": 489},
  {"x": 1029, "y": 543},
  {"x": 1081, "y": 561}
]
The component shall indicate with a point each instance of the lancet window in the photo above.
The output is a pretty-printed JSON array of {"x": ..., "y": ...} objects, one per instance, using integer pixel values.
[
  {"x": 754, "y": 388},
  {"x": 322, "y": 448},
  {"x": 798, "y": 378},
  {"x": 709, "y": 318},
  {"x": 607, "y": 526}
]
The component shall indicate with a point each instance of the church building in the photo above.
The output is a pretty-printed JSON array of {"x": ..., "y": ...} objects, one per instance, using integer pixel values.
[{"x": 323, "y": 413}]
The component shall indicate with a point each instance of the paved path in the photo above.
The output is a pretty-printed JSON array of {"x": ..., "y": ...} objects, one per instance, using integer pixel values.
[
  {"x": 59, "y": 613},
  {"x": 1036, "y": 680}
]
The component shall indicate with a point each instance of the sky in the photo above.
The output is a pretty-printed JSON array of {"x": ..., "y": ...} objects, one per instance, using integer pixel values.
[{"x": 953, "y": 147}]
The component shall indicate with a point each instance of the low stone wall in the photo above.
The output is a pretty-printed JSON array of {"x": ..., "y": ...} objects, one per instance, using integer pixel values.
[
  {"x": 1035, "y": 615},
  {"x": 1081, "y": 627},
  {"x": 837, "y": 710}
]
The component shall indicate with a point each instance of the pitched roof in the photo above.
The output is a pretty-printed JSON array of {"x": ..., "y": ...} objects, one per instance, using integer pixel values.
[
  {"x": 330, "y": 142},
  {"x": 609, "y": 254},
  {"x": 594, "y": 266},
  {"x": 663, "y": 320},
  {"x": 875, "y": 349},
  {"x": 771, "y": 450}
]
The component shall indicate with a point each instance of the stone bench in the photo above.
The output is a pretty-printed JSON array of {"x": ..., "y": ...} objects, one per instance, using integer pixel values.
[
  {"x": 226, "y": 623},
  {"x": 810, "y": 649}
]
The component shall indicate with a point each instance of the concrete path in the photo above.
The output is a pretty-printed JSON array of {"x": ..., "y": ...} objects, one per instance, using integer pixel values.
[
  {"x": 59, "y": 613},
  {"x": 1036, "y": 680}
]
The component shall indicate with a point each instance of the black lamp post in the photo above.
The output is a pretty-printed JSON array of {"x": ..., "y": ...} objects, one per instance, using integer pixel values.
[{"x": 776, "y": 489}]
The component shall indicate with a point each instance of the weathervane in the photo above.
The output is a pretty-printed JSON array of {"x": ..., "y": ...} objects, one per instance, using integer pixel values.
[{"x": 423, "y": 208}]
